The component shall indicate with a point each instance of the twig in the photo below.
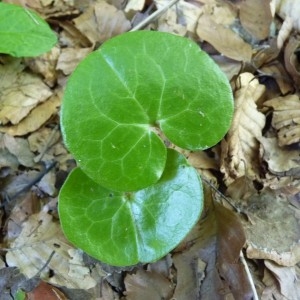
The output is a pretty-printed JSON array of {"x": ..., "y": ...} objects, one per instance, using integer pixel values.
[
  {"x": 46, "y": 146},
  {"x": 221, "y": 194},
  {"x": 155, "y": 15},
  {"x": 255, "y": 296},
  {"x": 9, "y": 198}
]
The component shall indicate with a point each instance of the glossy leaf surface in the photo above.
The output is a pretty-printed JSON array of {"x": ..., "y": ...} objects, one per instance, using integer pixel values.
[
  {"x": 134, "y": 83},
  {"x": 126, "y": 228},
  {"x": 23, "y": 33}
]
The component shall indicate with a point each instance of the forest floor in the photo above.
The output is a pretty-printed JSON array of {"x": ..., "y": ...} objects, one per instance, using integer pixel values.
[{"x": 247, "y": 241}]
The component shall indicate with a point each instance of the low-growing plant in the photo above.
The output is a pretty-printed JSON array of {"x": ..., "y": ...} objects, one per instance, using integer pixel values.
[
  {"x": 131, "y": 199},
  {"x": 23, "y": 33}
]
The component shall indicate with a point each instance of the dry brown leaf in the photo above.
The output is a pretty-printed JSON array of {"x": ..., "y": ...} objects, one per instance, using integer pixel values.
[
  {"x": 186, "y": 15},
  {"x": 241, "y": 147},
  {"x": 45, "y": 65},
  {"x": 214, "y": 246},
  {"x": 291, "y": 61},
  {"x": 19, "y": 147},
  {"x": 161, "y": 266},
  {"x": 70, "y": 58},
  {"x": 286, "y": 118},
  {"x": 287, "y": 279},
  {"x": 134, "y": 5},
  {"x": 281, "y": 162},
  {"x": 225, "y": 40},
  {"x": 49, "y": 8},
  {"x": 168, "y": 22},
  {"x": 47, "y": 183},
  {"x": 147, "y": 286},
  {"x": 190, "y": 272},
  {"x": 39, "y": 238},
  {"x": 20, "y": 92},
  {"x": 265, "y": 54},
  {"x": 230, "y": 67},
  {"x": 256, "y": 18},
  {"x": 36, "y": 118},
  {"x": 41, "y": 138},
  {"x": 70, "y": 36},
  {"x": 28, "y": 205},
  {"x": 271, "y": 290},
  {"x": 278, "y": 72},
  {"x": 45, "y": 291},
  {"x": 274, "y": 231},
  {"x": 102, "y": 21}
]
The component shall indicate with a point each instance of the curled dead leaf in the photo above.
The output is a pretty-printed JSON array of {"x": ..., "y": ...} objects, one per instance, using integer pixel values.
[
  {"x": 286, "y": 118},
  {"x": 290, "y": 58},
  {"x": 281, "y": 162},
  {"x": 240, "y": 148}
]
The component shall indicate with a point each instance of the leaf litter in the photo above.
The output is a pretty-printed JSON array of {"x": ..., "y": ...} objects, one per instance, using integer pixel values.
[{"x": 256, "y": 165}]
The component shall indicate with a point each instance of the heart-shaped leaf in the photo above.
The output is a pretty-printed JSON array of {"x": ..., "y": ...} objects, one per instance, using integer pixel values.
[
  {"x": 122, "y": 228},
  {"x": 133, "y": 85},
  {"x": 23, "y": 32}
]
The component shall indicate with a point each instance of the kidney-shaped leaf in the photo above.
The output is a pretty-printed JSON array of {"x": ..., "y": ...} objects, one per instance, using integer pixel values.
[
  {"x": 23, "y": 32},
  {"x": 126, "y": 228},
  {"x": 134, "y": 83}
]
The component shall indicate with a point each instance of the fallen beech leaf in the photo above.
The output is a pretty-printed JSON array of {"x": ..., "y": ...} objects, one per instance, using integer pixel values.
[
  {"x": 19, "y": 147},
  {"x": 39, "y": 238},
  {"x": 278, "y": 73},
  {"x": 287, "y": 279},
  {"x": 36, "y": 118},
  {"x": 147, "y": 286},
  {"x": 256, "y": 17},
  {"x": 286, "y": 118},
  {"x": 229, "y": 66},
  {"x": 216, "y": 241},
  {"x": 43, "y": 137},
  {"x": 271, "y": 289},
  {"x": 168, "y": 22},
  {"x": 226, "y": 41},
  {"x": 45, "y": 65},
  {"x": 281, "y": 161},
  {"x": 46, "y": 291},
  {"x": 102, "y": 21},
  {"x": 291, "y": 61},
  {"x": 190, "y": 272},
  {"x": 70, "y": 58},
  {"x": 274, "y": 231},
  {"x": 241, "y": 146},
  {"x": 134, "y": 5},
  {"x": 20, "y": 92},
  {"x": 189, "y": 14}
]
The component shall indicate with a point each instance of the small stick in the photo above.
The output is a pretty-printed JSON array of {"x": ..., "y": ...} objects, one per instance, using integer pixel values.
[
  {"x": 153, "y": 16},
  {"x": 255, "y": 296},
  {"x": 46, "y": 146},
  {"x": 221, "y": 195}
]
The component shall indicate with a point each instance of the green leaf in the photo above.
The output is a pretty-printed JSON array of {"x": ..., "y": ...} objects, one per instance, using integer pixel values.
[
  {"x": 133, "y": 85},
  {"x": 23, "y": 32},
  {"x": 20, "y": 295},
  {"x": 126, "y": 228}
]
